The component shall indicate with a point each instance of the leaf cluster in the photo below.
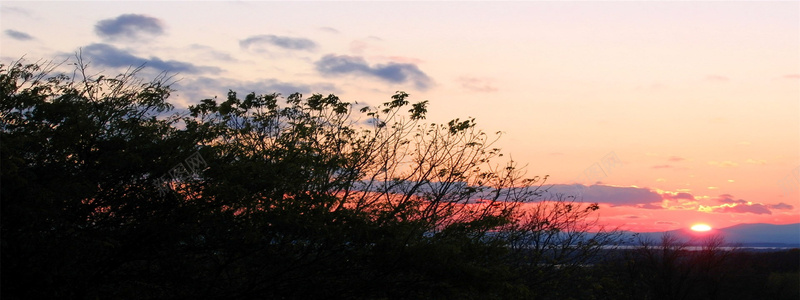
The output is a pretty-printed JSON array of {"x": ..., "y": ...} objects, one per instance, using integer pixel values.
[{"x": 355, "y": 201}]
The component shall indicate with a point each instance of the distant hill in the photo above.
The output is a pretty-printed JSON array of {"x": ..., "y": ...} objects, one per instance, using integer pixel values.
[
  {"x": 763, "y": 234},
  {"x": 752, "y": 235}
]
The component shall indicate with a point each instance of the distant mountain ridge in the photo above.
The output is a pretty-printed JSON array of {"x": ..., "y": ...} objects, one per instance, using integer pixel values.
[{"x": 753, "y": 235}]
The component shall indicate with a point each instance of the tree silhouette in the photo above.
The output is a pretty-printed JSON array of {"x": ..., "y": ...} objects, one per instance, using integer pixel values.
[
  {"x": 677, "y": 269},
  {"x": 107, "y": 192}
]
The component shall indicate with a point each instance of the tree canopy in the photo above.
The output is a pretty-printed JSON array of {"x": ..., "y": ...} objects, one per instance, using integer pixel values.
[{"x": 110, "y": 192}]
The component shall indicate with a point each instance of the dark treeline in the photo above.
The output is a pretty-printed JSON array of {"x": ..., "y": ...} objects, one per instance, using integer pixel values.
[
  {"x": 110, "y": 193},
  {"x": 671, "y": 269}
]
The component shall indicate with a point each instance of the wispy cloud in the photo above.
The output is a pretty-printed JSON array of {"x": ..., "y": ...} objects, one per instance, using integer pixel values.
[
  {"x": 356, "y": 65},
  {"x": 728, "y": 204},
  {"x": 792, "y": 76},
  {"x": 781, "y": 206},
  {"x": 257, "y": 43},
  {"x": 726, "y": 198},
  {"x": 211, "y": 53},
  {"x": 677, "y": 196},
  {"x": 18, "y": 35},
  {"x": 5, "y": 9},
  {"x": 358, "y": 47},
  {"x": 329, "y": 29},
  {"x": 129, "y": 27},
  {"x": 613, "y": 195},
  {"x": 479, "y": 85},
  {"x": 107, "y": 55},
  {"x": 666, "y": 223},
  {"x": 676, "y": 158},
  {"x": 756, "y": 161},
  {"x": 723, "y": 164},
  {"x": 368, "y": 44},
  {"x": 754, "y": 208},
  {"x": 649, "y": 206}
]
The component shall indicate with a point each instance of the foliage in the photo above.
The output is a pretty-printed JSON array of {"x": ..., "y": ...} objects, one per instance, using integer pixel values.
[
  {"x": 75, "y": 201},
  {"x": 295, "y": 198},
  {"x": 561, "y": 239}
]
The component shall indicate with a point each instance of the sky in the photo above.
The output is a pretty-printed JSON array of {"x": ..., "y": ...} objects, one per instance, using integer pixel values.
[{"x": 668, "y": 114}]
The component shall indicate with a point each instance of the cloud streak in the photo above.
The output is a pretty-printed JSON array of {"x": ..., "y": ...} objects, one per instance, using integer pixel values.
[
  {"x": 107, "y": 55},
  {"x": 257, "y": 43},
  {"x": 356, "y": 65},
  {"x": 15, "y": 10},
  {"x": 677, "y": 196},
  {"x": 329, "y": 29},
  {"x": 740, "y": 206},
  {"x": 18, "y": 35},
  {"x": 479, "y": 85},
  {"x": 781, "y": 206},
  {"x": 211, "y": 53},
  {"x": 723, "y": 164},
  {"x": 613, "y": 195},
  {"x": 129, "y": 26},
  {"x": 666, "y": 223},
  {"x": 754, "y": 208}
]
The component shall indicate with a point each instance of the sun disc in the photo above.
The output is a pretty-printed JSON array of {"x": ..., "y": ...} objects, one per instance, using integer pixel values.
[{"x": 701, "y": 227}]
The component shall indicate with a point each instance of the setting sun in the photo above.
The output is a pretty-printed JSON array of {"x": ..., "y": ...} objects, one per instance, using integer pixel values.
[{"x": 701, "y": 227}]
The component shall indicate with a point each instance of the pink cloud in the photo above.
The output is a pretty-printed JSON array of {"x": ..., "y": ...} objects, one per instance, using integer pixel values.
[
  {"x": 481, "y": 85},
  {"x": 781, "y": 206},
  {"x": 648, "y": 206},
  {"x": 666, "y": 223},
  {"x": 613, "y": 195},
  {"x": 728, "y": 199},
  {"x": 684, "y": 196},
  {"x": 744, "y": 208}
]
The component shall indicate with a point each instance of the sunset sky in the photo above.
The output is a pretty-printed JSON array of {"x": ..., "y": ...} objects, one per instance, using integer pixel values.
[{"x": 672, "y": 113}]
